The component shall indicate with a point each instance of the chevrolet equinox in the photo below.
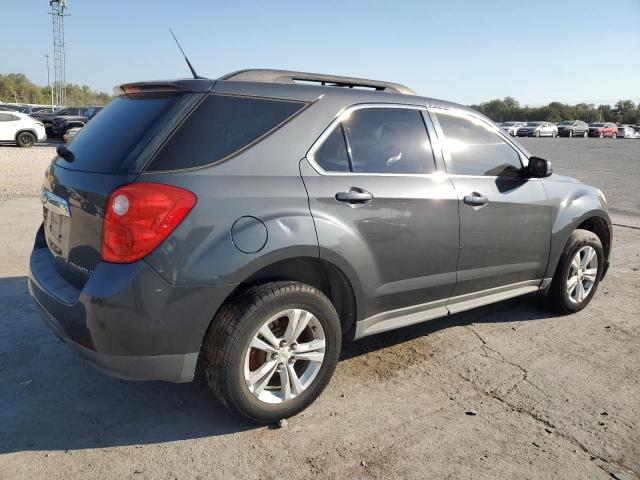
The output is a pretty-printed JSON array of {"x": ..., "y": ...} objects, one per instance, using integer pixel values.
[{"x": 257, "y": 220}]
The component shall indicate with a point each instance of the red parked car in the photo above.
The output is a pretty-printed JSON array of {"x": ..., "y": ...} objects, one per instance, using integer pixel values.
[{"x": 602, "y": 130}]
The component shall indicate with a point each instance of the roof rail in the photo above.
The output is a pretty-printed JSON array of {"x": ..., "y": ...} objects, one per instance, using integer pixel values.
[{"x": 286, "y": 76}]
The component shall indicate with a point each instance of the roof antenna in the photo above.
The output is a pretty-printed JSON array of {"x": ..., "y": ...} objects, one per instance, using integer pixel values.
[{"x": 193, "y": 71}]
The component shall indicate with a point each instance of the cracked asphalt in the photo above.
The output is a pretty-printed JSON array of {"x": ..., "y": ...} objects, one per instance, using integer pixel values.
[{"x": 509, "y": 390}]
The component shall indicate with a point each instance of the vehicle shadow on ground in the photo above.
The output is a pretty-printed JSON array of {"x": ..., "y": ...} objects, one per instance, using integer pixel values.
[{"x": 54, "y": 401}]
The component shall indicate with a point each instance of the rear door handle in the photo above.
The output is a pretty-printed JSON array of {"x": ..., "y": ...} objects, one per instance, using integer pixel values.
[
  {"x": 476, "y": 199},
  {"x": 354, "y": 196}
]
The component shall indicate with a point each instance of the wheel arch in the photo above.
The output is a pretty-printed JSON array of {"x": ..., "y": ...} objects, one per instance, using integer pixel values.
[
  {"x": 584, "y": 210},
  {"x": 314, "y": 271},
  {"x": 23, "y": 130}
]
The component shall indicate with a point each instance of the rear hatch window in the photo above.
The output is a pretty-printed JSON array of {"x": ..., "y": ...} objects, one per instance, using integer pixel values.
[
  {"x": 111, "y": 141},
  {"x": 222, "y": 126}
]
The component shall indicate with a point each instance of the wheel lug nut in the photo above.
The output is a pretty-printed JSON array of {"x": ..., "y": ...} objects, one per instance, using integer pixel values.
[
  {"x": 274, "y": 356},
  {"x": 292, "y": 361},
  {"x": 294, "y": 346},
  {"x": 283, "y": 344}
]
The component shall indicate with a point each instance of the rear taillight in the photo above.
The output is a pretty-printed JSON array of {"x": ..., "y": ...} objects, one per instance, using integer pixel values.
[{"x": 139, "y": 216}]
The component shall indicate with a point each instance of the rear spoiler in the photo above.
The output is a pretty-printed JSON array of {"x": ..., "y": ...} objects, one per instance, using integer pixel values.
[{"x": 169, "y": 86}]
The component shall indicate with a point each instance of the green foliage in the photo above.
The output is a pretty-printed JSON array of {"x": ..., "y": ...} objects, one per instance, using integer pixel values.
[
  {"x": 17, "y": 88},
  {"x": 508, "y": 109}
]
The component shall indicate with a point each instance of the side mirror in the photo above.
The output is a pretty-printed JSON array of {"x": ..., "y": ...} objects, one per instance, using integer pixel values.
[{"x": 539, "y": 167}]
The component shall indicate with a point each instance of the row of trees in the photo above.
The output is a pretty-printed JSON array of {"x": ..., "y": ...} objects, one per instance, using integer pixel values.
[
  {"x": 17, "y": 88},
  {"x": 508, "y": 109}
]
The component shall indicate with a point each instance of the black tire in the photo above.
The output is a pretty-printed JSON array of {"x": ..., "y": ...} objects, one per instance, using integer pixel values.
[
  {"x": 558, "y": 298},
  {"x": 232, "y": 330},
  {"x": 26, "y": 139}
]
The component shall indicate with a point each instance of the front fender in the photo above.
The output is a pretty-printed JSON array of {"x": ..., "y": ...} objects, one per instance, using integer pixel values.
[{"x": 568, "y": 212}]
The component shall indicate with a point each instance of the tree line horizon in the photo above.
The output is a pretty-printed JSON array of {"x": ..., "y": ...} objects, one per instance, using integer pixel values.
[{"x": 17, "y": 88}]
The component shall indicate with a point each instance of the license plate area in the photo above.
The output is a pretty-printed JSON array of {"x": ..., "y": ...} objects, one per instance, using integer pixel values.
[
  {"x": 53, "y": 223},
  {"x": 57, "y": 218}
]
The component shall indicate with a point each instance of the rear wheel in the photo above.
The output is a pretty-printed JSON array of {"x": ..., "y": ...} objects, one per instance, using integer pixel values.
[
  {"x": 26, "y": 139},
  {"x": 270, "y": 352},
  {"x": 578, "y": 273}
]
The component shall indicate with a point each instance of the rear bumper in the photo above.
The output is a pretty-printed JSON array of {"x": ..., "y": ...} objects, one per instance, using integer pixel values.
[
  {"x": 127, "y": 320},
  {"x": 171, "y": 368}
]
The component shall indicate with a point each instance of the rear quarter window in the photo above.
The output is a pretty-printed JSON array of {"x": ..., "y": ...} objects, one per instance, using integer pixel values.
[
  {"x": 221, "y": 126},
  {"x": 108, "y": 143}
]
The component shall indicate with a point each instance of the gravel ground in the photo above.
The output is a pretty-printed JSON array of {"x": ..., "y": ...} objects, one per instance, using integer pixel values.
[
  {"x": 22, "y": 169},
  {"x": 505, "y": 391}
]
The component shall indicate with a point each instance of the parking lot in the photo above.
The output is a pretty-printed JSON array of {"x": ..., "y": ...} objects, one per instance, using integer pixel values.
[{"x": 505, "y": 391}]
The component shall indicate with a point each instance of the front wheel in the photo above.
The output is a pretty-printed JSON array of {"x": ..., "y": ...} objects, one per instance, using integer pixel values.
[
  {"x": 570, "y": 133},
  {"x": 537, "y": 133},
  {"x": 584, "y": 134},
  {"x": 26, "y": 139},
  {"x": 271, "y": 351},
  {"x": 554, "y": 134},
  {"x": 578, "y": 273}
]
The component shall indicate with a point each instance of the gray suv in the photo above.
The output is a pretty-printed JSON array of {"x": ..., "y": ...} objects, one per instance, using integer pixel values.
[{"x": 255, "y": 221}]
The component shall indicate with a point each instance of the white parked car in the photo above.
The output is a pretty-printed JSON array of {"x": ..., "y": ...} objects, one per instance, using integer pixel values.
[
  {"x": 627, "y": 131},
  {"x": 511, "y": 128},
  {"x": 21, "y": 129}
]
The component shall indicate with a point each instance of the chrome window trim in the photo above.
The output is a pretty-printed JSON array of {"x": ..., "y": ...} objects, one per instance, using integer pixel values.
[
  {"x": 361, "y": 106},
  {"x": 460, "y": 112}
]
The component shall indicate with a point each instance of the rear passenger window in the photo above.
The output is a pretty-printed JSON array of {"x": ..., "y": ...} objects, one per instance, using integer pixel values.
[
  {"x": 476, "y": 149},
  {"x": 221, "y": 126},
  {"x": 388, "y": 140},
  {"x": 332, "y": 156},
  {"x": 378, "y": 140}
]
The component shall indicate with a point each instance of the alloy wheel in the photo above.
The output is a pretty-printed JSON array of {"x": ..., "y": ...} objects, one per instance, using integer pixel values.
[
  {"x": 582, "y": 275},
  {"x": 285, "y": 356}
]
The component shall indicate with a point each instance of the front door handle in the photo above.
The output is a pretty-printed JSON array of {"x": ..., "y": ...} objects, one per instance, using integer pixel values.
[
  {"x": 476, "y": 199},
  {"x": 354, "y": 196}
]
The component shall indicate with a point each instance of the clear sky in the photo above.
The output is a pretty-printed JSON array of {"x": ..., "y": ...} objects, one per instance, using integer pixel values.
[{"x": 461, "y": 50}]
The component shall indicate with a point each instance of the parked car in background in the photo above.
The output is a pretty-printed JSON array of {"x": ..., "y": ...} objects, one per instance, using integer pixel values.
[
  {"x": 47, "y": 118},
  {"x": 573, "y": 128},
  {"x": 168, "y": 240},
  {"x": 625, "y": 131},
  {"x": 70, "y": 134},
  {"x": 606, "y": 129},
  {"x": 511, "y": 128},
  {"x": 42, "y": 110},
  {"x": 21, "y": 129},
  {"x": 62, "y": 123},
  {"x": 538, "y": 129},
  {"x": 17, "y": 108}
]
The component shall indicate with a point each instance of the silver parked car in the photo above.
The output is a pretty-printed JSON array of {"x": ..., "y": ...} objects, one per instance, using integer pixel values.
[{"x": 538, "y": 129}]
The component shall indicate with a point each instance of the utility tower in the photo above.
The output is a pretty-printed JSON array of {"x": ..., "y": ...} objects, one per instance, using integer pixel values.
[{"x": 58, "y": 8}]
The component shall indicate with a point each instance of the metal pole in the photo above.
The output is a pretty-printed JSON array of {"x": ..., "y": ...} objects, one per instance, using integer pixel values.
[{"x": 49, "y": 82}]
